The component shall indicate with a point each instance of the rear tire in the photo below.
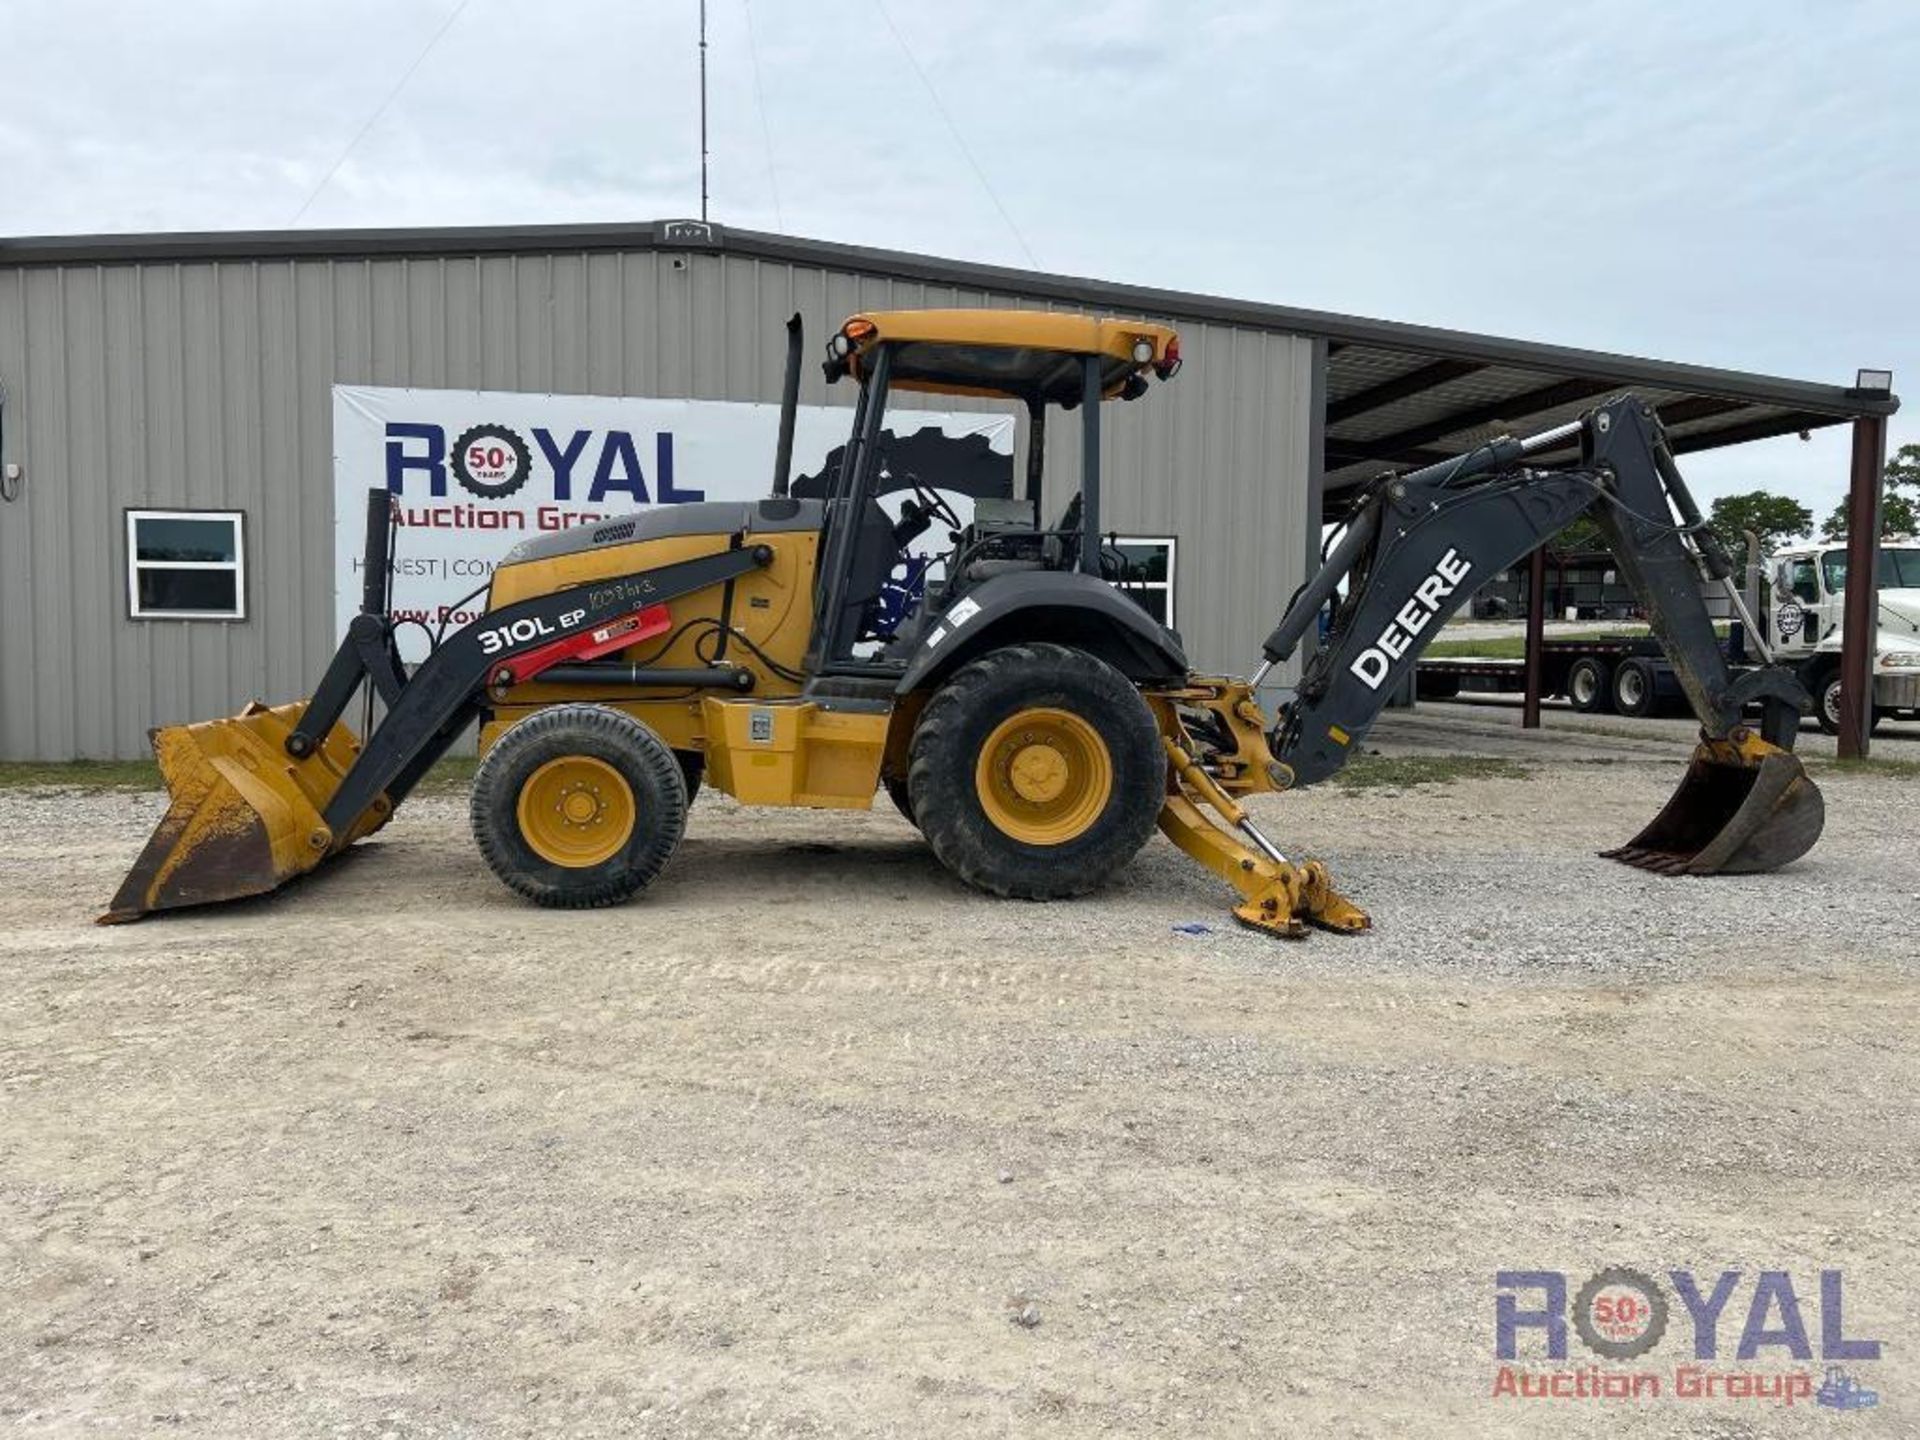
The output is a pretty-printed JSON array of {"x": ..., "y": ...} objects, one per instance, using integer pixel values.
[
  {"x": 578, "y": 806},
  {"x": 896, "y": 789},
  {"x": 1036, "y": 772},
  {"x": 1590, "y": 686},
  {"x": 1633, "y": 688}
]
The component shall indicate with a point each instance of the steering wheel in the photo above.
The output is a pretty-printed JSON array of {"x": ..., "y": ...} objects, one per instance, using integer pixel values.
[{"x": 933, "y": 503}]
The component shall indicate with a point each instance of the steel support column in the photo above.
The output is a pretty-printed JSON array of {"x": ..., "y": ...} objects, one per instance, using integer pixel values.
[
  {"x": 1860, "y": 628},
  {"x": 1536, "y": 635}
]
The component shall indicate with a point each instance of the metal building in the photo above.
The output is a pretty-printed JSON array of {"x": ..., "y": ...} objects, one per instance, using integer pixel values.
[{"x": 194, "y": 373}]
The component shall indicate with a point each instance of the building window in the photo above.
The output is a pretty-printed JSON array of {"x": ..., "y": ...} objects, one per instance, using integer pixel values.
[
  {"x": 186, "y": 565},
  {"x": 1147, "y": 573}
]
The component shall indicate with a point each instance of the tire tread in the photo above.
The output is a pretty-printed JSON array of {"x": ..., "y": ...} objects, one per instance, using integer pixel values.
[
  {"x": 940, "y": 775},
  {"x": 562, "y": 729}
]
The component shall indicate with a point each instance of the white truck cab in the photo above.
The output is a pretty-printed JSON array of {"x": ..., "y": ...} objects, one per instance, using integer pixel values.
[{"x": 1805, "y": 613}]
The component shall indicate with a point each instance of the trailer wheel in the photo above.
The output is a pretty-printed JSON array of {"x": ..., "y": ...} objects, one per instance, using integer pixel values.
[
  {"x": 1633, "y": 688},
  {"x": 1590, "y": 685},
  {"x": 1036, "y": 772},
  {"x": 578, "y": 806}
]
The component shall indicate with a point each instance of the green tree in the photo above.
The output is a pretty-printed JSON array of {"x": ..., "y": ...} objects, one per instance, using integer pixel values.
[
  {"x": 1772, "y": 517},
  {"x": 1581, "y": 535},
  {"x": 1899, "y": 511}
]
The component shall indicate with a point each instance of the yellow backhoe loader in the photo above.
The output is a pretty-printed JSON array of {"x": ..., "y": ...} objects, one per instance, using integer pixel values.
[{"x": 1033, "y": 721}]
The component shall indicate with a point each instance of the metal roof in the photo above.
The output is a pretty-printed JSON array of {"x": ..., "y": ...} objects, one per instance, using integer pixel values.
[{"x": 1397, "y": 394}]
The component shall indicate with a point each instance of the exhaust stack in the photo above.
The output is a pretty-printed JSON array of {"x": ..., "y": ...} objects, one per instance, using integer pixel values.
[{"x": 789, "y": 404}]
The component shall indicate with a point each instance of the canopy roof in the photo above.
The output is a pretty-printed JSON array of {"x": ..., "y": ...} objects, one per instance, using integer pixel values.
[{"x": 1022, "y": 354}]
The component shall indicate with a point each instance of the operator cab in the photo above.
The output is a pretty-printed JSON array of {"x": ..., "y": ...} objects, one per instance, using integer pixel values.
[{"x": 873, "y": 592}]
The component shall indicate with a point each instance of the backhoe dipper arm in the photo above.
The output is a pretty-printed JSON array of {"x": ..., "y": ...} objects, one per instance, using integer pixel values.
[{"x": 1424, "y": 542}]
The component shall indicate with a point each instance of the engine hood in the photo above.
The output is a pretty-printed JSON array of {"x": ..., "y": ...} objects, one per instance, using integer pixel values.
[
  {"x": 706, "y": 517},
  {"x": 1899, "y": 615}
]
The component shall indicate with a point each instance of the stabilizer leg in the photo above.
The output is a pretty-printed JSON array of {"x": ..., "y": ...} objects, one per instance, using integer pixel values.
[{"x": 1278, "y": 895}]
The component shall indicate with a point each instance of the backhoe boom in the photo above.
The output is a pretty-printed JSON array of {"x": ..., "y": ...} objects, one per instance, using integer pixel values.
[{"x": 1428, "y": 540}]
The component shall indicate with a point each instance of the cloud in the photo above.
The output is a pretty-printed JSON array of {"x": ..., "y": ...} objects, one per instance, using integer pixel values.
[{"x": 1733, "y": 185}]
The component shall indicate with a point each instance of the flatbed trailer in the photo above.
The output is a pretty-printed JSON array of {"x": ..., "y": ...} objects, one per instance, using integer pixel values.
[{"x": 1609, "y": 674}]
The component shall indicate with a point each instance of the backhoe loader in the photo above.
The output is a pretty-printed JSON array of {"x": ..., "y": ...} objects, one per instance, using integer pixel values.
[{"x": 1033, "y": 721}]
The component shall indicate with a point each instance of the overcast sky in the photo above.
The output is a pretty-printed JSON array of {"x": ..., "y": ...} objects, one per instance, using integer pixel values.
[{"x": 1729, "y": 183}]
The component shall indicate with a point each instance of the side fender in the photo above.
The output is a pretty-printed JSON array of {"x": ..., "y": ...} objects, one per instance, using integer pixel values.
[{"x": 1065, "y": 607}]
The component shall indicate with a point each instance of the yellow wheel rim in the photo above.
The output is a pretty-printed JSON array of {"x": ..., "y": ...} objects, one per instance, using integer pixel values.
[
  {"x": 576, "y": 811},
  {"x": 1044, "y": 776}
]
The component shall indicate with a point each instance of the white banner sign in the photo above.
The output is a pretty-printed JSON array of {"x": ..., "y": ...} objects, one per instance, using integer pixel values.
[{"x": 473, "y": 472}]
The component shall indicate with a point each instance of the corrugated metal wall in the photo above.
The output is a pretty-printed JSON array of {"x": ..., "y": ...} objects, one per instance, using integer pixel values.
[{"x": 207, "y": 385}]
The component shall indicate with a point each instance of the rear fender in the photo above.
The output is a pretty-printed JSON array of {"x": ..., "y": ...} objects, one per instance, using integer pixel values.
[{"x": 1064, "y": 607}]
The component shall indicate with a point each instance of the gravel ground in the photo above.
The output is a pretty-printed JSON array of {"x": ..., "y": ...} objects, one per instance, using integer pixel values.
[
  {"x": 1472, "y": 719},
  {"x": 811, "y": 1140}
]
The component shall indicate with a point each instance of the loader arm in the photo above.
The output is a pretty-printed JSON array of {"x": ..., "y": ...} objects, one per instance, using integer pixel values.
[{"x": 272, "y": 793}]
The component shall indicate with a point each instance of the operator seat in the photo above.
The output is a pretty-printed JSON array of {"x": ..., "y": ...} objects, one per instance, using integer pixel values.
[
  {"x": 1062, "y": 550},
  {"x": 874, "y": 556}
]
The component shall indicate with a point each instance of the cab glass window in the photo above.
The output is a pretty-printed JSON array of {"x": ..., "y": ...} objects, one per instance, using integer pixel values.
[
  {"x": 1900, "y": 569},
  {"x": 1801, "y": 581},
  {"x": 1833, "y": 565}
]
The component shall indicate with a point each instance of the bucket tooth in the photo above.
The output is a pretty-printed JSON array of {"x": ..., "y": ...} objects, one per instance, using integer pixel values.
[
  {"x": 1743, "y": 807},
  {"x": 243, "y": 816}
]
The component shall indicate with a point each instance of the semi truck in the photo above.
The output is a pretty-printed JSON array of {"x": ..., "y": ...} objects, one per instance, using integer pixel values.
[
  {"x": 1805, "y": 592},
  {"x": 1809, "y": 584}
]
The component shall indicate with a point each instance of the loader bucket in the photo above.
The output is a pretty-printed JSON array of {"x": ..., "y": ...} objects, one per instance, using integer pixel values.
[
  {"x": 244, "y": 817},
  {"x": 1744, "y": 806}
]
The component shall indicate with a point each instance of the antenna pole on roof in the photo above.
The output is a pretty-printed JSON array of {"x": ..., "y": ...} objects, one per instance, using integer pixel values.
[{"x": 703, "y": 111}]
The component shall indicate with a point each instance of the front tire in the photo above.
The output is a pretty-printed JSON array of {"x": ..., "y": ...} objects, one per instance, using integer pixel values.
[
  {"x": 1826, "y": 709},
  {"x": 578, "y": 806},
  {"x": 693, "y": 766},
  {"x": 1036, "y": 772}
]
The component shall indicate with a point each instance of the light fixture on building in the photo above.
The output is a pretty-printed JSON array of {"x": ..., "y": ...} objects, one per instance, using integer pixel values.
[{"x": 1873, "y": 382}]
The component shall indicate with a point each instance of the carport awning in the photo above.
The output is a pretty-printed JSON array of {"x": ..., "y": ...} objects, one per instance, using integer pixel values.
[{"x": 1389, "y": 408}]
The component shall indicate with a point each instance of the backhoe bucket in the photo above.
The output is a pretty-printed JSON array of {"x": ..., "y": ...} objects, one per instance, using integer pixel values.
[
  {"x": 1744, "y": 806},
  {"x": 245, "y": 816}
]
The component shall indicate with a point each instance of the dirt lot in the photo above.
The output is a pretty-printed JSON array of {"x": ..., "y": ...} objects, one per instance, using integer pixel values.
[{"x": 810, "y": 1140}]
